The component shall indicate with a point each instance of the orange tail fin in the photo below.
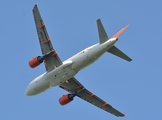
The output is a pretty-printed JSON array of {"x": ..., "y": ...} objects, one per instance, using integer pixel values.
[{"x": 122, "y": 30}]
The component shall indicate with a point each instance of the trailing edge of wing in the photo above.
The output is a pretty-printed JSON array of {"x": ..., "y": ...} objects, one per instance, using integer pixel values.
[
  {"x": 115, "y": 51},
  {"x": 101, "y": 31}
]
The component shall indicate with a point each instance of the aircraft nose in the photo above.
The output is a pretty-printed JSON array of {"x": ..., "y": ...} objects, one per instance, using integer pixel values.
[{"x": 28, "y": 91}]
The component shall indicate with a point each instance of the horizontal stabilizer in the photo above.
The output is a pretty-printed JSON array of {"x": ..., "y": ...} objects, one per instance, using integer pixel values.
[
  {"x": 101, "y": 31},
  {"x": 115, "y": 51}
]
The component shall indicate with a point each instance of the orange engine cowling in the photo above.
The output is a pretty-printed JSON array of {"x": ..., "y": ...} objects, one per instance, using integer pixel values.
[
  {"x": 65, "y": 99},
  {"x": 35, "y": 61}
]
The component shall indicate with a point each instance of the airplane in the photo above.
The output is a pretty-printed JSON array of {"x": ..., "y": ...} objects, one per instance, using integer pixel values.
[{"x": 62, "y": 74}]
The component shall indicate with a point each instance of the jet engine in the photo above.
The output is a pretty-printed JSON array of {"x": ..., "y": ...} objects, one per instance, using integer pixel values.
[
  {"x": 65, "y": 99},
  {"x": 36, "y": 61}
]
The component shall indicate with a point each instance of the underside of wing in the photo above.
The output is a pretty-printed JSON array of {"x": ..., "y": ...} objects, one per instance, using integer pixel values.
[
  {"x": 73, "y": 86},
  {"x": 52, "y": 60}
]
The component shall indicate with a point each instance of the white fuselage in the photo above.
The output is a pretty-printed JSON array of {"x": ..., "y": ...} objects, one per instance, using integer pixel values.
[{"x": 69, "y": 68}]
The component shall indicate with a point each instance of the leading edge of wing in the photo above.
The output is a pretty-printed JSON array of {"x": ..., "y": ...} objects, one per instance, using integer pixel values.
[{"x": 73, "y": 85}]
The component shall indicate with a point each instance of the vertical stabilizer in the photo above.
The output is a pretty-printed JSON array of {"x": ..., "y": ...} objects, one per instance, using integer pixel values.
[
  {"x": 120, "y": 32},
  {"x": 101, "y": 31}
]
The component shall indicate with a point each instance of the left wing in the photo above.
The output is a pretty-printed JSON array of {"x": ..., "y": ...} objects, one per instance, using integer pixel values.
[
  {"x": 52, "y": 60},
  {"x": 73, "y": 85}
]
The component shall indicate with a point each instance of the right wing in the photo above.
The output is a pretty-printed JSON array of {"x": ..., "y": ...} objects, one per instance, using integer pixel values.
[
  {"x": 73, "y": 85},
  {"x": 52, "y": 60}
]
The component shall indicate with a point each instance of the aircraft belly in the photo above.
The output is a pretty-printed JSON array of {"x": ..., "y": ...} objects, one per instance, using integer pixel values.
[
  {"x": 60, "y": 75},
  {"x": 41, "y": 87},
  {"x": 79, "y": 63},
  {"x": 87, "y": 59}
]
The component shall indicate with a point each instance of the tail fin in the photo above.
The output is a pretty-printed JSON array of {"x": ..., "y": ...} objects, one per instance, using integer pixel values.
[
  {"x": 103, "y": 38},
  {"x": 101, "y": 31},
  {"x": 115, "y": 51},
  {"x": 120, "y": 32}
]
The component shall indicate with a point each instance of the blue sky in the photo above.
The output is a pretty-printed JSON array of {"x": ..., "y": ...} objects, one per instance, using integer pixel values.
[{"x": 133, "y": 88}]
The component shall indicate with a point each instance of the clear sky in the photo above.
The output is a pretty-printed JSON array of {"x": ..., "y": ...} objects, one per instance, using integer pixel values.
[{"x": 134, "y": 88}]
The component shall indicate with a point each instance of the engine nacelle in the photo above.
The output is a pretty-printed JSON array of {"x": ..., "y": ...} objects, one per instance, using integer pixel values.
[
  {"x": 36, "y": 61},
  {"x": 65, "y": 99}
]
